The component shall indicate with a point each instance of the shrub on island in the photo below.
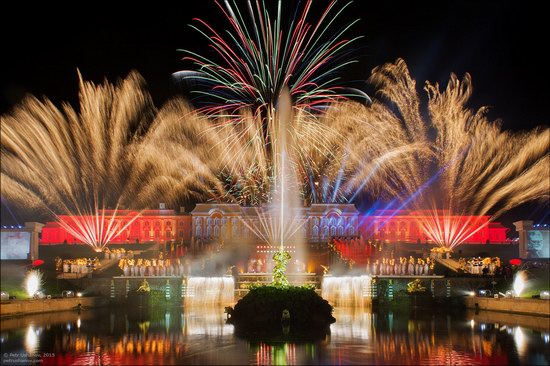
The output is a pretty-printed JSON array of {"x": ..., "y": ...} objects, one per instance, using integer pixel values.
[{"x": 262, "y": 308}]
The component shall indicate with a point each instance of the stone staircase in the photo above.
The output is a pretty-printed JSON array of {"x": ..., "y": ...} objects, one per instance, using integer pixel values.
[{"x": 449, "y": 263}]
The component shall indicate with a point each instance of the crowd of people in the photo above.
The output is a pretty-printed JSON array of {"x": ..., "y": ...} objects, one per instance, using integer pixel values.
[
  {"x": 481, "y": 266},
  {"x": 258, "y": 265},
  {"x": 79, "y": 265},
  {"x": 154, "y": 267},
  {"x": 401, "y": 267},
  {"x": 117, "y": 253}
]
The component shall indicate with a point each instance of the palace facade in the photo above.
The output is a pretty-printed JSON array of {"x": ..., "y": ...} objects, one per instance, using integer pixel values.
[{"x": 318, "y": 223}]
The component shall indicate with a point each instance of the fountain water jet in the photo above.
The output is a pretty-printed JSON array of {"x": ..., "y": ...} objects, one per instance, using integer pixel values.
[
  {"x": 347, "y": 291},
  {"x": 285, "y": 182},
  {"x": 282, "y": 219},
  {"x": 209, "y": 291}
]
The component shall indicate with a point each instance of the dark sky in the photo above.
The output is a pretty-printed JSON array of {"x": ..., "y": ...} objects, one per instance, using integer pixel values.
[{"x": 500, "y": 43}]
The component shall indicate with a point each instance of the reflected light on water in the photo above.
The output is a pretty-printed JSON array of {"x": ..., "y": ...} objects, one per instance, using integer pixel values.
[
  {"x": 352, "y": 323},
  {"x": 520, "y": 341},
  {"x": 206, "y": 321},
  {"x": 167, "y": 321},
  {"x": 276, "y": 354},
  {"x": 31, "y": 340},
  {"x": 200, "y": 336}
]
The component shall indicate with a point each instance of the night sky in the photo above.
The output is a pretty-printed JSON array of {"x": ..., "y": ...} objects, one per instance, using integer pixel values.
[{"x": 499, "y": 43}]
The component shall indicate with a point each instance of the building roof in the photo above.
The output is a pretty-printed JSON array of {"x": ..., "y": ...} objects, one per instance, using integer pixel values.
[
  {"x": 340, "y": 208},
  {"x": 143, "y": 212},
  {"x": 224, "y": 208},
  {"x": 230, "y": 209},
  {"x": 497, "y": 225}
]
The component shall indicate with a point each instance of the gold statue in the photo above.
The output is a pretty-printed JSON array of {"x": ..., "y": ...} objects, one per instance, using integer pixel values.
[
  {"x": 58, "y": 264},
  {"x": 144, "y": 287},
  {"x": 415, "y": 286}
]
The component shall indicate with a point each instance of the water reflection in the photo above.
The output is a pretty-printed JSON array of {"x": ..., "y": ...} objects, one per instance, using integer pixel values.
[
  {"x": 31, "y": 340},
  {"x": 520, "y": 340},
  {"x": 353, "y": 323},
  {"x": 275, "y": 354},
  {"x": 201, "y": 336}
]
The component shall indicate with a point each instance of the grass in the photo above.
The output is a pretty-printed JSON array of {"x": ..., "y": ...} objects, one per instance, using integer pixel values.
[{"x": 538, "y": 280}]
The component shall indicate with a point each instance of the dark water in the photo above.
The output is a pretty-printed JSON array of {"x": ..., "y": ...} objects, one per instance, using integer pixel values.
[{"x": 201, "y": 337}]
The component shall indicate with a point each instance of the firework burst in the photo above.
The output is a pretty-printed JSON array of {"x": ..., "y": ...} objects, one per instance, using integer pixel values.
[
  {"x": 255, "y": 63},
  {"x": 480, "y": 168},
  {"x": 95, "y": 228},
  {"x": 33, "y": 282},
  {"x": 118, "y": 149},
  {"x": 65, "y": 162},
  {"x": 261, "y": 55}
]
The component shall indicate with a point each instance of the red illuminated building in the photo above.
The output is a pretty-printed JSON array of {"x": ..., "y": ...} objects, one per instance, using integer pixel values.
[
  {"x": 150, "y": 226},
  {"x": 410, "y": 227},
  {"x": 323, "y": 221}
]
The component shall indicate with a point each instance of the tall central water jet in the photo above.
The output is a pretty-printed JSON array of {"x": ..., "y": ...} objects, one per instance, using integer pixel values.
[
  {"x": 284, "y": 114},
  {"x": 282, "y": 196}
]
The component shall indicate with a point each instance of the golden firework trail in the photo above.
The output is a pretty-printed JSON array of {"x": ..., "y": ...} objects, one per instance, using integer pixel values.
[
  {"x": 480, "y": 169},
  {"x": 116, "y": 149}
]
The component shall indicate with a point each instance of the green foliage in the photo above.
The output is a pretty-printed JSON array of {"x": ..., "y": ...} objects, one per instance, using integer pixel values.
[
  {"x": 157, "y": 298},
  {"x": 537, "y": 282},
  {"x": 254, "y": 285},
  {"x": 153, "y": 298},
  {"x": 281, "y": 258},
  {"x": 402, "y": 301},
  {"x": 16, "y": 291},
  {"x": 263, "y": 306}
]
